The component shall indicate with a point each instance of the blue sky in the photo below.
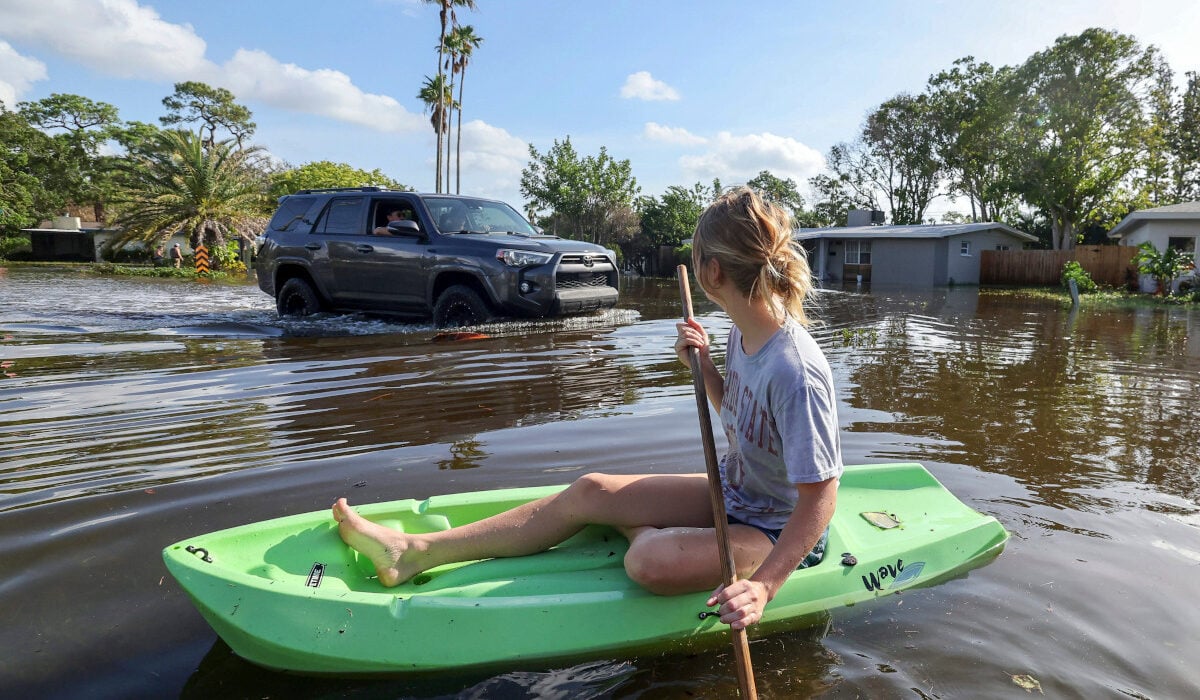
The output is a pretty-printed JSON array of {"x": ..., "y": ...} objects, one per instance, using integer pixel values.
[{"x": 686, "y": 90}]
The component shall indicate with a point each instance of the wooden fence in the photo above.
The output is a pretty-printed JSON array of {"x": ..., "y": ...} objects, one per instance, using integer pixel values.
[{"x": 1107, "y": 264}]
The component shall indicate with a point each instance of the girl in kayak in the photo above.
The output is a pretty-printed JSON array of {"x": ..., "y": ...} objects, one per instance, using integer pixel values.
[{"x": 779, "y": 478}]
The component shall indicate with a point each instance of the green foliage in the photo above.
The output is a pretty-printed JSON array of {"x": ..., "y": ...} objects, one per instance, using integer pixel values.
[
  {"x": 1083, "y": 281},
  {"x": 14, "y": 247},
  {"x": 1163, "y": 266},
  {"x": 974, "y": 115},
  {"x": 589, "y": 198},
  {"x": 324, "y": 173},
  {"x": 782, "y": 192},
  {"x": 1080, "y": 127},
  {"x": 211, "y": 108},
  {"x": 210, "y": 192},
  {"x": 228, "y": 257}
]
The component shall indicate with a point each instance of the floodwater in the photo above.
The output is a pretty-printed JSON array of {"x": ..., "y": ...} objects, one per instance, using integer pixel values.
[{"x": 135, "y": 413}]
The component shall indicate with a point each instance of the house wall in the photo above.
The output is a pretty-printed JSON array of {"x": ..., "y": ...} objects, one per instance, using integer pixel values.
[
  {"x": 912, "y": 262},
  {"x": 964, "y": 269},
  {"x": 1158, "y": 232}
]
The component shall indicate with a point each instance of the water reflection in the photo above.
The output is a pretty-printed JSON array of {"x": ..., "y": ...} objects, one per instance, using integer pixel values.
[{"x": 1017, "y": 387}]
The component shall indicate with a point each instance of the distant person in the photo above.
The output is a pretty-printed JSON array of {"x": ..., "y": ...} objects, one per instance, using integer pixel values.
[
  {"x": 393, "y": 215},
  {"x": 177, "y": 256},
  {"x": 158, "y": 256}
]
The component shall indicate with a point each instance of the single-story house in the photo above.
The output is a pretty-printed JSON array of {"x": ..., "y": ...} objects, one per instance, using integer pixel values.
[
  {"x": 66, "y": 238},
  {"x": 926, "y": 255},
  {"x": 1173, "y": 226}
]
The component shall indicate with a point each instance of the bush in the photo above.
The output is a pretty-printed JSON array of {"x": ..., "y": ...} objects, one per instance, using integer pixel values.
[
  {"x": 15, "y": 248},
  {"x": 1083, "y": 281}
]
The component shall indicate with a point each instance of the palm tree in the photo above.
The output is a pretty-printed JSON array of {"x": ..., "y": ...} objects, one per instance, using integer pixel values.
[
  {"x": 438, "y": 97},
  {"x": 213, "y": 193},
  {"x": 447, "y": 16},
  {"x": 462, "y": 42}
]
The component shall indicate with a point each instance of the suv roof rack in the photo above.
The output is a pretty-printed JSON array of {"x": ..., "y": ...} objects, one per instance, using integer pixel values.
[{"x": 364, "y": 188}]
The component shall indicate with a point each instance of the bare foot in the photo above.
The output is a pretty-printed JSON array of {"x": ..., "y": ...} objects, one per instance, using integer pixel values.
[{"x": 391, "y": 551}]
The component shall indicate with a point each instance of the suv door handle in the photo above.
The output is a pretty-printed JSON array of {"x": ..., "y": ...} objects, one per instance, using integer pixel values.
[
  {"x": 364, "y": 248},
  {"x": 313, "y": 246}
]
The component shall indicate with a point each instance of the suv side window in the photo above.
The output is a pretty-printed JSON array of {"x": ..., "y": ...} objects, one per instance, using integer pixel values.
[
  {"x": 291, "y": 210},
  {"x": 344, "y": 215}
]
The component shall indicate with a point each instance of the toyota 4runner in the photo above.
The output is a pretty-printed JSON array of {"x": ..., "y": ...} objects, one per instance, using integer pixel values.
[{"x": 458, "y": 260}]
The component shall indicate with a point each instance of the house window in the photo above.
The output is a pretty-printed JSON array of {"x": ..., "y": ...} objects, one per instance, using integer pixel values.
[
  {"x": 1001, "y": 246},
  {"x": 965, "y": 249},
  {"x": 858, "y": 253},
  {"x": 1184, "y": 244}
]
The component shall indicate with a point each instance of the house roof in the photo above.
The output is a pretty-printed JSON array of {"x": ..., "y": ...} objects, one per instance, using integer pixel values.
[
  {"x": 1184, "y": 210},
  {"x": 915, "y": 231}
]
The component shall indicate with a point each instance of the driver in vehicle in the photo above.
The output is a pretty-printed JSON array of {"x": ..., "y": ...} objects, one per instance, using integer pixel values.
[
  {"x": 393, "y": 215},
  {"x": 453, "y": 221}
]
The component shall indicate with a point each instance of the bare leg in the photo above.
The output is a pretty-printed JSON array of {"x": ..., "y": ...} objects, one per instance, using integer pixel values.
[
  {"x": 674, "y": 560},
  {"x": 601, "y": 499}
]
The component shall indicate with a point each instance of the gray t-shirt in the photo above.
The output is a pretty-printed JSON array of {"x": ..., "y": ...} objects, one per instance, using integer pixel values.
[{"x": 779, "y": 413}]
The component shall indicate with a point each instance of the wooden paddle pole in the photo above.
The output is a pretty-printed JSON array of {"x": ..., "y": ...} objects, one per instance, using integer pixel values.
[{"x": 741, "y": 646}]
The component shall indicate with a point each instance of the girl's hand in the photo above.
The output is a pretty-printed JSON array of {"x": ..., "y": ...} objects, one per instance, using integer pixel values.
[
  {"x": 741, "y": 604},
  {"x": 691, "y": 334}
]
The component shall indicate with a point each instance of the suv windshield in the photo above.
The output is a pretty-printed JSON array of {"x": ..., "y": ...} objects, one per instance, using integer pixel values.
[{"x": 462, "y": 215}]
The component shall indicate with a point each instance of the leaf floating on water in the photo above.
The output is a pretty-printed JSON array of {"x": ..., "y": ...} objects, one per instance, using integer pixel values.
[
  {"x": 1029, "y": 683},
  {"x": 881, "y": 520}
]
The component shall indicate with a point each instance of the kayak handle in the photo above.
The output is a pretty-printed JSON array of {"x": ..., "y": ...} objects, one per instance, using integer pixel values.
[{"x": 200, "y": 551}]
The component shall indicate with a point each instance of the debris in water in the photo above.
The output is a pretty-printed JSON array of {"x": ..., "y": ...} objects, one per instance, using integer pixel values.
[{"x": 449, "y": 336}]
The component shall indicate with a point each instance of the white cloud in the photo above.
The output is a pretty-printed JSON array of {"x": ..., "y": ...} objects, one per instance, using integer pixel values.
[
  {"x": 736, "y": 159},
  {"x": 643, "y": 86},
  {"x": 126, "y": 40},
  {"x": 672, "y": 134},
  {"x": 117, "y": 37},
  {"x": 492, "y": 161},
  {"x": 255, "y": 75},
  {"x": 17, "y": 73}
]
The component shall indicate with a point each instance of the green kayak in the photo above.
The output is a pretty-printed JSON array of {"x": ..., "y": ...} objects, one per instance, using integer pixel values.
[{"x": 288, "y": 594}]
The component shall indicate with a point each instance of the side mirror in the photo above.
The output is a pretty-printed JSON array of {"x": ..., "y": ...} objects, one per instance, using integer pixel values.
[{"x": 404, "y": 227}]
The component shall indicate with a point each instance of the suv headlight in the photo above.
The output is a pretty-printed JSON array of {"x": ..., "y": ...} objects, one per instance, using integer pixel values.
[{"x": 522, "y": 258}]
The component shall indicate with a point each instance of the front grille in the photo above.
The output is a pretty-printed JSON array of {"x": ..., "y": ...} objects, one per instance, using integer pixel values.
[
  {"x": 582, "y": 258},
  {"x": 580, "y": 280}
]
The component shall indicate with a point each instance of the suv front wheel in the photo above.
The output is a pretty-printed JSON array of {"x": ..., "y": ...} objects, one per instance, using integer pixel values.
[
  {"x": 460, "y": 306},
  {"x": 297, "y": 298}
]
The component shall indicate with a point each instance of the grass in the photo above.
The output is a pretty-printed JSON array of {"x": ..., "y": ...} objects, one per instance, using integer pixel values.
[
  {"x": 120, "y": 270},
  {"x": 1104, "y": 297}
]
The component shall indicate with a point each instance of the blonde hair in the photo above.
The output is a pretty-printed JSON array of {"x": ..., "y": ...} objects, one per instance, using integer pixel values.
[{"x": 751, "y": 238}]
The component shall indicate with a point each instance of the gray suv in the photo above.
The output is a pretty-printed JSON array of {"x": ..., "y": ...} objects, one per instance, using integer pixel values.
[{"x": 458, "y": 260}]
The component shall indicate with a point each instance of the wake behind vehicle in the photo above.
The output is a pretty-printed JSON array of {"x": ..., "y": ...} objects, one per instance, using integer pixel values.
[{"x": 458, "y": 260}]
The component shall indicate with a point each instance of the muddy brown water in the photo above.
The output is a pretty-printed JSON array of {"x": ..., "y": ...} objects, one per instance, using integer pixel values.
[{"x": 135, "y": 413}]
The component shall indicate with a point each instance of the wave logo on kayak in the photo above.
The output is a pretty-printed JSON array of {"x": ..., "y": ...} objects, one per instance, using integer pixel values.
[{"x": 893, "y": 576}]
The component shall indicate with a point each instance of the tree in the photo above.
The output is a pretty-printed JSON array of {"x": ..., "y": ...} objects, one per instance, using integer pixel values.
[
  {"x": 1080, "y": 127},
  {"x": 325, "y": 173},
  {"x": 671, "y": 218},
  {"x": 448, "y": 18},
  {"x": 212, "y": 108},
  {"x": 971, "y": 103},
  {"x": 834, "y": 200},
  {"x": 782, "y": 192},
  {"x": 210, "y": 192},
  {"x": 1185, "y": 143},
  {"x": 901, "y": 140},
  {"x": 586, "y": 197},
  {"x": 71, "y": 166},
  {"x": 462, "y": 42},
  {"x": 23, "y": 197},
  {"x": 438, "y": 97}
]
